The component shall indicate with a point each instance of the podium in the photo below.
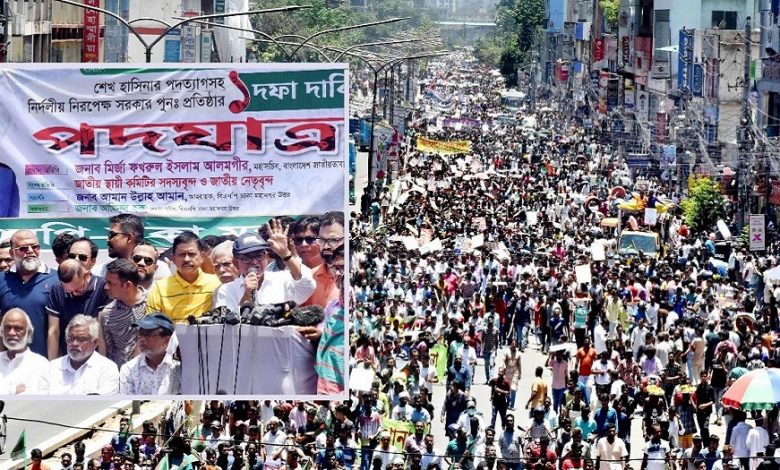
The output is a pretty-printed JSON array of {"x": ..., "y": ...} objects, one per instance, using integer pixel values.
[{"x": 245, "y": 360}]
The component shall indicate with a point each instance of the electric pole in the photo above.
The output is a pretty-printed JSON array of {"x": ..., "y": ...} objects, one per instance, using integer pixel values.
[{"x": 744, "y": 136}]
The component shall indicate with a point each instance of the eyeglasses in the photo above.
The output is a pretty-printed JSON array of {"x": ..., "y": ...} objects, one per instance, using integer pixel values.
[
  {"x": 76, "y": 339},
  {"x": 148, "y": 333},
  {"x": 82, "y": 257},
  {"x": 26, "y": 248},
  {"x": 114, "y": 234},
  {"x": 335, "y": 270},
  {"x": 147, "y": 260},
  {"x": 331, "y": 242},
  {"x": 308, "y": 240},
  {"x": 249, "y": 257}
]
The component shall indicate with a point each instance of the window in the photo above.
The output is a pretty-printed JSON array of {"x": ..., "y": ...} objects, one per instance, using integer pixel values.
[
  {"x": 646, "y": 19},
  {"x": 724, "y": 19},
  {"x": 661, "y": 35}
]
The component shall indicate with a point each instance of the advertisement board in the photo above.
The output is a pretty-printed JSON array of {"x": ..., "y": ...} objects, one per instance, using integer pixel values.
[{"x": 214, "y": 149}]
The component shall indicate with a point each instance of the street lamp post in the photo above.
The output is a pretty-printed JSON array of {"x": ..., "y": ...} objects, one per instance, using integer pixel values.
[
  {"x": 149, "y": 45},
  {"x": 377, "y": 70}
]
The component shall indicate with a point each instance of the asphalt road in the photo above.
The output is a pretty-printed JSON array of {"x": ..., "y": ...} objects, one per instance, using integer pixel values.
[
  {"x": 531, "y": 358},
  {"x": 70, "y": 412}
]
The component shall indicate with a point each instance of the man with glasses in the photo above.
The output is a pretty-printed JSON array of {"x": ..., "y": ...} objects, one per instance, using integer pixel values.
[
  {"x": 83, "y": 250},
  {"x": 125, "y": 233},
  {"x": 305, "y": 234},
  {"x": 21, "y": 370},
  {"x": 154, "y": 371},
  {"x": 27, "y": 287},
  {"x": 258, "y": 286},
  {"x": 118, "y": 335},
  {"x": 78, "y": 292},
  {"x": 145, "y": 257},
  {"x": 83, "y": 370}
]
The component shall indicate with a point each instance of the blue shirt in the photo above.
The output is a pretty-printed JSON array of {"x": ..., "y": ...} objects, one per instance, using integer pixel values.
[
  {"x": 602, "y": 419},
  {"x": 66, "y": 306},
  {"x": 9, "y": 192},
  {"x": 32, "y": 297}
]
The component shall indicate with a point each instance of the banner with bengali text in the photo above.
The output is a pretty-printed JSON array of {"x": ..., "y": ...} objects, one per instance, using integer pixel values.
[
  {"x": 201, "y": 141},
  {"x": 443, "y": 147}
]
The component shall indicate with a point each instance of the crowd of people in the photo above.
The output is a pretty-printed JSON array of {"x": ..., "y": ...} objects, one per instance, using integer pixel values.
[
  {"x": 79, "y": 328},
  {"x": 513, "y": 264},
  {"x": 625, "y": 356}
]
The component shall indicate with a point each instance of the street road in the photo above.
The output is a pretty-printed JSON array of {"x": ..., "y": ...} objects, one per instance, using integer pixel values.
[{"x": 531, "y": 358}]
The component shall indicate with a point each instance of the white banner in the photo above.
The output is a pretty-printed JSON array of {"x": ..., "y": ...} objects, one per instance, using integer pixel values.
[
  {"x": 757, "y": 232},
  {"x": 208, "y": 140}
]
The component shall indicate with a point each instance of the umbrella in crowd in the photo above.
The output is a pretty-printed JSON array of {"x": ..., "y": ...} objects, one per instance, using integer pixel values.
[{"x": 756, "y": 390}]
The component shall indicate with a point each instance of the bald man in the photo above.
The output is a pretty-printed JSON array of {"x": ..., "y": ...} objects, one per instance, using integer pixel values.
[
  {"x": 27, "y": 287},
  {"x": 78, "y": 291},
  {"x": 21, "y": 370}
]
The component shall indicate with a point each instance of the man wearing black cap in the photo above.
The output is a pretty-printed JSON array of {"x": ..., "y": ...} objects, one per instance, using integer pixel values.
[
  {"x": 256, "y": 285},
  {"x": 154, "y": 371}
]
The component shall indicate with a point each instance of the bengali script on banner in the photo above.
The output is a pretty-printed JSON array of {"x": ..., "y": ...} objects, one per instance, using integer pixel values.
[
  {"x": 202, "y": 141},
  {"x": 443, "y": 147}
]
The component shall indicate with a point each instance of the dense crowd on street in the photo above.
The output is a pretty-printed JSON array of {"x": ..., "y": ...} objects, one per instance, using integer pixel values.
[
  {"x": 502, "y": 233},
  {"x": 654, "y": 337}
]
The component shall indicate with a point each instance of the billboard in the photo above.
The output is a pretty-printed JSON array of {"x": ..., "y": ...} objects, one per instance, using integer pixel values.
[
  {"x": 209, "y": 148},
  {"x": 205, "y": 141}
]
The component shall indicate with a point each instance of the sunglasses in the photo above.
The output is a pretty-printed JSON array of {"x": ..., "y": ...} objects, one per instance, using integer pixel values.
[
  {"x": 147, "y": 260},
  {"x": 114, "y": 234},
  {"x": 308, "y": 240},
  {"x": 26, "y": 248},
  {"x": 81, "y": 257},
  {"x": 249, "y": 257}
]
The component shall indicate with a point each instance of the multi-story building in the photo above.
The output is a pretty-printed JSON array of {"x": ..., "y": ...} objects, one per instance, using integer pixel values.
[{"x": 52, "y": 31}]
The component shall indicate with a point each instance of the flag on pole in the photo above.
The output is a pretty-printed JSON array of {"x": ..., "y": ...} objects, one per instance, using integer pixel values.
[{"x": 20, "y": 448}]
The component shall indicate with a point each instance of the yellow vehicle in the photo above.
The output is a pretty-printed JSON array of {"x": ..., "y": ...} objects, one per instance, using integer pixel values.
[{"x": 632, "y": 243}]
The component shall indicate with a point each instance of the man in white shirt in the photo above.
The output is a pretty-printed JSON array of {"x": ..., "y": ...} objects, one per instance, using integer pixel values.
[
  {"x": 272, "y": 440},
  {"x": 83, "y": 370},
  {"x": 600, "y": 336},
  {"x": 21, "y": 370},
  {"x": 739, "y": 438},
  {"x": 757, "y": 440},
  {"x": 154, "y": 371},
  {"x": 258, "y": 286},
  {"x": 610, "y": 450}
]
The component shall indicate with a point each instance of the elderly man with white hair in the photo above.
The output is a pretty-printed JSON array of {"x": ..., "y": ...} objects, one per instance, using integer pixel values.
[
  {"x": 83, "y": 370},
  {"x": 21, "y": 370}
]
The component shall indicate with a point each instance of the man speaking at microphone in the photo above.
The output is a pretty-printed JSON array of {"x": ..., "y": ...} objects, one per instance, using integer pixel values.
[{"x": 251, "y": 257}]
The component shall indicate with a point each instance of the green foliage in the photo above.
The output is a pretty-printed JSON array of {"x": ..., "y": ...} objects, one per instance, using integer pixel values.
[
  {"x": 611, "y": 11},
  {"x": 517, "y": 23},
  {"x": 704, "y": 205},
  {"x": 488, "y": 50},
  {"x": 301, "y": 24}
]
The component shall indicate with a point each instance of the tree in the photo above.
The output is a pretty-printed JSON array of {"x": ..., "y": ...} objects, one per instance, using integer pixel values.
[
  {"x": 705, "y": 204},
  {"x": 611, "y": 11},
  {"x": 517, "y": 23}
]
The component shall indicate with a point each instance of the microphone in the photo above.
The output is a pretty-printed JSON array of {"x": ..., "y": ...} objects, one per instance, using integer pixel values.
[{"x": 311, "y": 315}]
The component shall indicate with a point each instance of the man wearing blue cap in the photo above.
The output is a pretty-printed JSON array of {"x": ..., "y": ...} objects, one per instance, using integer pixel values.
[
  {"x": 256, "y": 285},
  {"x": 154, "y": 371}
]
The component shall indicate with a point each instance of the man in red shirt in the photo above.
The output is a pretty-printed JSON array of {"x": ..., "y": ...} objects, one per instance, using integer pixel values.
[
  {"x": 585, "y": 358},
  {"x": 542, "y": 457}
]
